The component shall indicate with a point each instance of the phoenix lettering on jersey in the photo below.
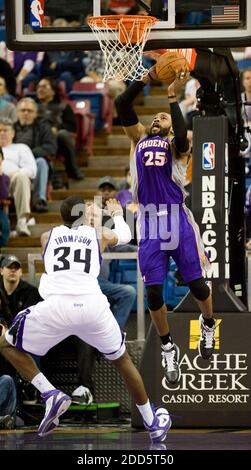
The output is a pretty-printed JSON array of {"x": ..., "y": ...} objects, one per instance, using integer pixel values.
[
  {"x": 154, "y": 143},
  {"x": 73, "y": 239}
]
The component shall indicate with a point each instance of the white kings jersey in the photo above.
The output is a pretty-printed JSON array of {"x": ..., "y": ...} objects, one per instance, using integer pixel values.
[{"x": 72, "y": 262}]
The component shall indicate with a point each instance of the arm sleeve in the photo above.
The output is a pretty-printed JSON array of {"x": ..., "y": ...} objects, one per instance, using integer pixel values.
[
  {"x": 179, "y": 128},
  {"x": 123, "y": 103},
  {"x": 122, "y": 230}
]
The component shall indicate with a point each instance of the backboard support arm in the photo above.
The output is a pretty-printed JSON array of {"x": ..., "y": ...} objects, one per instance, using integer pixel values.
[{"x": 142, "y": 4}]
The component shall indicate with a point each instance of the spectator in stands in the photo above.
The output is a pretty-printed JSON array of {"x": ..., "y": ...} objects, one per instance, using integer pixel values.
[
  {"x": 63, "y": 65},
  {"x": 122, "y": 7},
  {"x": 62, "y": 121},
  {"x": 107, "y": 189},
  {"x": 4, "y": 93},
  {"x": 37, "y": 134},
  {"x": 20, "y": 295},
  {"x": 20, "y": 165},
  {"x": 27, "y": 67},
  {"x": 124, "y": 195},
  {"x": 48, "y": 21},
  {"x": 24, "y": 65},
  {"x": 4, "y": 194},
  {"x": 7, "y": 72},
  {"x": 5, "y": 313},
  {"x": 8, "y": 398},
  {"x": 60, "y": 23},
  {"x": 7, "y": 108}
]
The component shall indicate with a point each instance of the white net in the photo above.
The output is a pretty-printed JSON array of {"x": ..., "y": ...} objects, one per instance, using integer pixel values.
[{"x": 122, "y": 40}]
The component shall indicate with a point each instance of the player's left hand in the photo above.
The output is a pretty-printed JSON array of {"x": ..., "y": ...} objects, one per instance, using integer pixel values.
[
  {"x": 181, "y": 77},
  {"x": 113, "y": 208}
]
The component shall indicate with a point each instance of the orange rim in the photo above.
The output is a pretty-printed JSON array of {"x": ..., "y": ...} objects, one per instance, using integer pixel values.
[{"x": 112, "y": 21}]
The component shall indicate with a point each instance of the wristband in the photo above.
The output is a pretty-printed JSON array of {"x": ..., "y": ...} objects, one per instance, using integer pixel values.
[{"x": 121, "y": 230}]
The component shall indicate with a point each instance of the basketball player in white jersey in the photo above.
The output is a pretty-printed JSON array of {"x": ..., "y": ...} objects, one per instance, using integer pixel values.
[{"x": 74, "y": 305}]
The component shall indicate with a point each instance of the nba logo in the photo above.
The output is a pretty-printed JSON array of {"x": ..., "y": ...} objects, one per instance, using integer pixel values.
[
  {"x": 208, "y": 156},
  {"x": 36, "y": 13}
]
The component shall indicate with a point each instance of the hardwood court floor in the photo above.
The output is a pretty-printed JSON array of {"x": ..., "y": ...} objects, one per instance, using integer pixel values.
[{"x": 123, "y": 437}]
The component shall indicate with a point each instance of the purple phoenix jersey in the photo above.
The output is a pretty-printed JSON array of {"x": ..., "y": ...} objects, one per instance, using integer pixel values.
[
  {"x": 165, "y": 225},
  {"x": 159, "y": 176}
]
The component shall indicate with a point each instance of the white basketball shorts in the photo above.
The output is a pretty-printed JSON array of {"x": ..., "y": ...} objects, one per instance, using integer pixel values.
[{"x": 40, "y": 327}]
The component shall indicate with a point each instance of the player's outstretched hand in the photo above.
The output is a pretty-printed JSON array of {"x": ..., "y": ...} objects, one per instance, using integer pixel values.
[
  {"x": 113, "y": 208},
  {"x": 181, "y": 78},
  {"x": 150, "y": 75}
]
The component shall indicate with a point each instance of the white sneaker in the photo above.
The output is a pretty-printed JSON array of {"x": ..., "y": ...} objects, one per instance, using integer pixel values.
[
  {"x": 31, "y": 222},
  {"x": 57, "y": 403},
  {"x": 170, "y": 360},
  {"x": 22, "y": 228},
  {"x": 82, "y": 395},
  {"x": 160, "y": 425},
  {"x": 207, "y": 339}
]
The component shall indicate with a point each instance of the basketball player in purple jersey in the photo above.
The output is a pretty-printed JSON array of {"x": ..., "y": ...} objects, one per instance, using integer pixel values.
[{"x": 158, "y": 165}]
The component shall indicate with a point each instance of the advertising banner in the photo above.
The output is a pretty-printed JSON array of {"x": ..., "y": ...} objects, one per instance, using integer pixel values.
[
  {"x": 211, "y": 200},
  {"x": 214, "y": 392}
]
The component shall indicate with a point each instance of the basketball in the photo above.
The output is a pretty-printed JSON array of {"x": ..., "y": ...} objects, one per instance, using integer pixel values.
[{"x": 167, "y": 64}]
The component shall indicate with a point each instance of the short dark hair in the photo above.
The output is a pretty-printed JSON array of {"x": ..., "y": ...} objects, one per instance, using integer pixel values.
[
  {"x": 72, "y": 209},
  {"x": 1, "y": 152}
]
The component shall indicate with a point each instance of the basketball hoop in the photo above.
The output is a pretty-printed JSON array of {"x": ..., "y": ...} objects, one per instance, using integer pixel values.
[{"x": 122, "y": 40}]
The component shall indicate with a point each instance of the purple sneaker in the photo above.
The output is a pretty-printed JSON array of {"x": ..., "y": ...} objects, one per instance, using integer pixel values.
[
  {"x": 160, "y": 426},
  {"x": 57, "y": 403}
]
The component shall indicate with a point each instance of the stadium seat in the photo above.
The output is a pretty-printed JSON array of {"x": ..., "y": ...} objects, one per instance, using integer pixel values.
[
  {"x": 85, "y": 125},
  {"x": 101, "y": 102}
]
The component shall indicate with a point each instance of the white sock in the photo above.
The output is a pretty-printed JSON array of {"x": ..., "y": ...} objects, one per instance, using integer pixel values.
[
  {"x": 42, "y": 384},
  {"x": 167, "y": 347},
  {"x": 22, "y": 219},
  {"x": 146, "y": 412}
]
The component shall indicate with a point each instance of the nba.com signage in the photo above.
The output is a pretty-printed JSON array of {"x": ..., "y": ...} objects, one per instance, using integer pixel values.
[
  {"x": 36, "y": 13},
  {"x": 211, "y": 182},
  {"x": 210, "y": 206},
  {"x": 213, "y": 392}
]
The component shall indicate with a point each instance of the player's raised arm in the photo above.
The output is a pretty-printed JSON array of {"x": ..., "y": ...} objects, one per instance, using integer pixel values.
[
  {"x": 181, "y": 141},
  {"x": 121, "y": 233},
  {"x": 128, "y": 117}
]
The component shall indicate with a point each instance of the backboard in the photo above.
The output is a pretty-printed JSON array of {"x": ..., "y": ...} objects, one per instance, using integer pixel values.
[{"x": 31, "y": 24}]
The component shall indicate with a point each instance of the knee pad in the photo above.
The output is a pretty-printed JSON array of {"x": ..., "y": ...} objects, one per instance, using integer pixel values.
[
  {"x": 199, "y": 289},
  {"x": 155, "y": 296}
]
